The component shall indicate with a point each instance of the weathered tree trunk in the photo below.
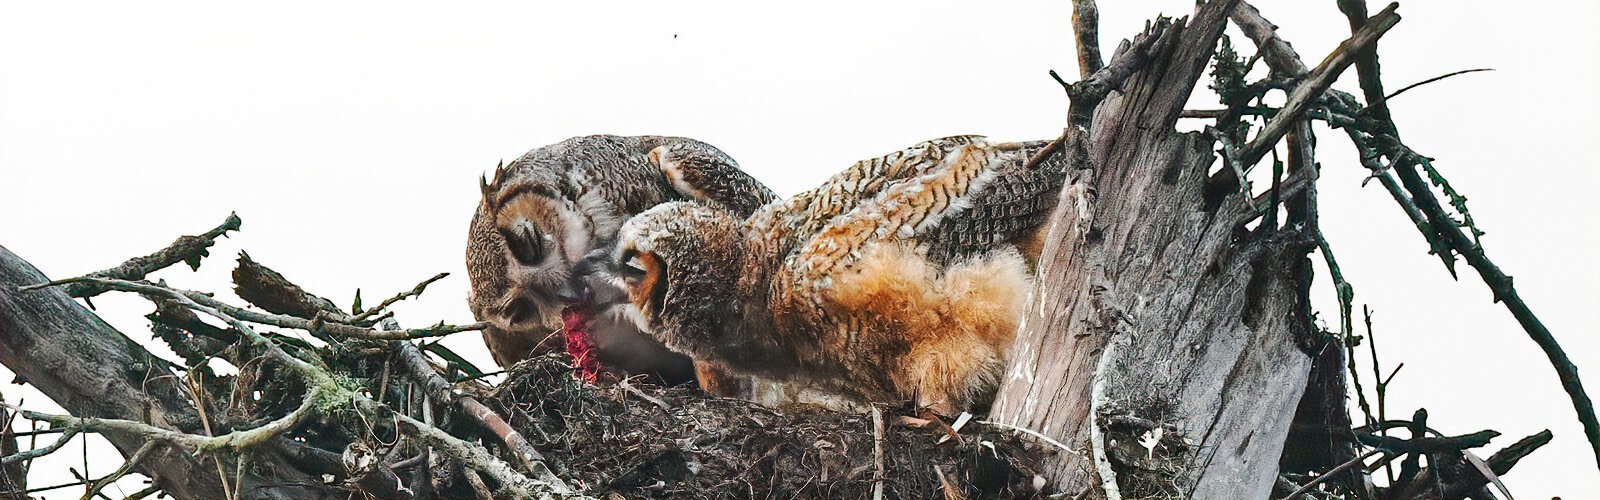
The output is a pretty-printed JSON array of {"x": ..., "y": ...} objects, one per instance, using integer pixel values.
[
  {"x": 1155, "y": 309},
  {"x": 92, "y": 370}
]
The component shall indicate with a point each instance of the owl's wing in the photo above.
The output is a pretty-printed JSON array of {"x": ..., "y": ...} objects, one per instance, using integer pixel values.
[
  {"x": 704, "y": 173},
  {"x": 1011, "y": 206},
  {"x": 961, "y": 204},
  {"x": 805, "y": 214}
]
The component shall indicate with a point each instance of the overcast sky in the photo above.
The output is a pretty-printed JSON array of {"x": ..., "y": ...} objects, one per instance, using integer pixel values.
[{"x": 350, "y": 136}]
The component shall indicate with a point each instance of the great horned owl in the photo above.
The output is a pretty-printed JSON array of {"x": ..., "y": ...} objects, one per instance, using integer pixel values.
[
  {"x": 544, "y": 211},
  {"x": 899, "y": 278}
]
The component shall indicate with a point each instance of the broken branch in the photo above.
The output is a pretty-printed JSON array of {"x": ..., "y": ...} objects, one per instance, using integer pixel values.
[{"x": 188, "y": 249}]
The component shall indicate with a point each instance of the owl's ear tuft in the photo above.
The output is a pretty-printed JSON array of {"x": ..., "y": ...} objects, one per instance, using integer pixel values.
[{"x": 483, "y": 186}]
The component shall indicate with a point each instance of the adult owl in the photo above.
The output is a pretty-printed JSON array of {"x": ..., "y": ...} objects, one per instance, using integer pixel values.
[{"x": 541, "y": 213}]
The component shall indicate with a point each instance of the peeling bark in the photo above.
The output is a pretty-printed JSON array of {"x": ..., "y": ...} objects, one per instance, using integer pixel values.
[{"x": 1207, "y": 322}]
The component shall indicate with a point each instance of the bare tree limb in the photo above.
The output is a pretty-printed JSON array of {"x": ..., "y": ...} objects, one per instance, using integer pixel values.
[
  {"x": 1086, "y": 27},
  {"x": 1499, "y": 283},
  {"x": 1310, "y": 90},
  {"x": 92, "y": 370},
  {"x": 62, "y": 440},
  {"x": 415, "y": 291},
  {"x": 514, "y": 483},
  {"x": 291, "y": 299},
  {"x": 189, "y": 249},
  {"x": 1276, "y": 51},
  {"x": 233, "y": 441},
  {"x": 1335, "y": 471}
]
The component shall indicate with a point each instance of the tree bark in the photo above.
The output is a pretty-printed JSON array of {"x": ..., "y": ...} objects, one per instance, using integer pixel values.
[
  {"x": 1196, "y": 326},
  {"x": 93, "y": 370}
]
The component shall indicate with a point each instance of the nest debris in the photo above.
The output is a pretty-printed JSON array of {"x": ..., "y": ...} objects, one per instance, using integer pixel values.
[{"x": 643, "y": 441}]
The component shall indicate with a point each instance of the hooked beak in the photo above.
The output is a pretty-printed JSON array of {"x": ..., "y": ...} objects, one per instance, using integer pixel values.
[
  {"x": 570, "y": 292},
  {"x": 594, "y": 280}
]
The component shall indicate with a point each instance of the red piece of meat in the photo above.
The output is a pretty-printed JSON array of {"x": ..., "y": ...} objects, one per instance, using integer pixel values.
[{"x": 580, "y": 343}]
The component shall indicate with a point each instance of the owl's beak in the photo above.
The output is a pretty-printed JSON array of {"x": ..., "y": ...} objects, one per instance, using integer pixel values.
[
  {"x": 570, "y": 292},
  {"x": 594, "y": 280}
]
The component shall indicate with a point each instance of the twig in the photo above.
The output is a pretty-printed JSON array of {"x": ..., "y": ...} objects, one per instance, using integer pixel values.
[
  {"x": 80, "y": 482},
  {"x": 1047, "y": 439},
  {"x": 147, "y": 491},
  {"x": 66, "y": 435},
  {"x": 627, "y": 386},
  {"x": 947, "y": 485},
  {"x": 321, "y": 323},
  {"x": 1381, "y": 386},
  {"x": 1331, "y": 472},
  {"x": 186, "y": 249},
  {"x": 196, "y": 394},
  {"x": 877, "y": 453},
  {"x": 127, "y": 466},
  {"x": 233, "y": 441},
  {"x": 413, "y": 292},
  {"x": 434, "y": 386},
  {"x": 1386, "y": 98},
  {"x": 1346, "y": 295},
  {"x": 1049, "y": 149},
  {"x": 38, "y": 432}
]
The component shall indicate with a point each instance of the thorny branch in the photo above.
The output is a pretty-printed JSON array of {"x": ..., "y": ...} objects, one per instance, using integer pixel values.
[
  {"x": 1317, "y": 81},
  {"x": 1404, "y": 161},
  {"x": 1372, "y": 130}
]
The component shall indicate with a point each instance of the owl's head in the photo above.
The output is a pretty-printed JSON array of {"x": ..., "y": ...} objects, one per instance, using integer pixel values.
[
  {"x": 676, "y": 267},
  {"x": 525, "y": 237}
]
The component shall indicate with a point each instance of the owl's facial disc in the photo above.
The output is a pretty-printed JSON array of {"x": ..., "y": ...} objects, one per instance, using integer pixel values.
[
  {"x": 535, "y": 247},
  {"x": 644, "y": 276}
]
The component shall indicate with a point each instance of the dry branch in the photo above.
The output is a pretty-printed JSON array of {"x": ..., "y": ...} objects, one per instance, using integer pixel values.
[
  {"x": 1086, "y": 27},
  {"x": 323, "y": 385},
  {"x": 92, "y": 370},
  {"x": 1311, "y": 88},
  {"x": 1404, "y": 162},
  {"x": 187, "y": 249}
]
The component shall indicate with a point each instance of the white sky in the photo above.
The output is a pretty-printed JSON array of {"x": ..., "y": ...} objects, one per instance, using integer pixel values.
[{"x": 350, "y": 137}]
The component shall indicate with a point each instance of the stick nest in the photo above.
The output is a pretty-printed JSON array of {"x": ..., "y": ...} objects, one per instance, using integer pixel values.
[{"x": 616, "y": 442}]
